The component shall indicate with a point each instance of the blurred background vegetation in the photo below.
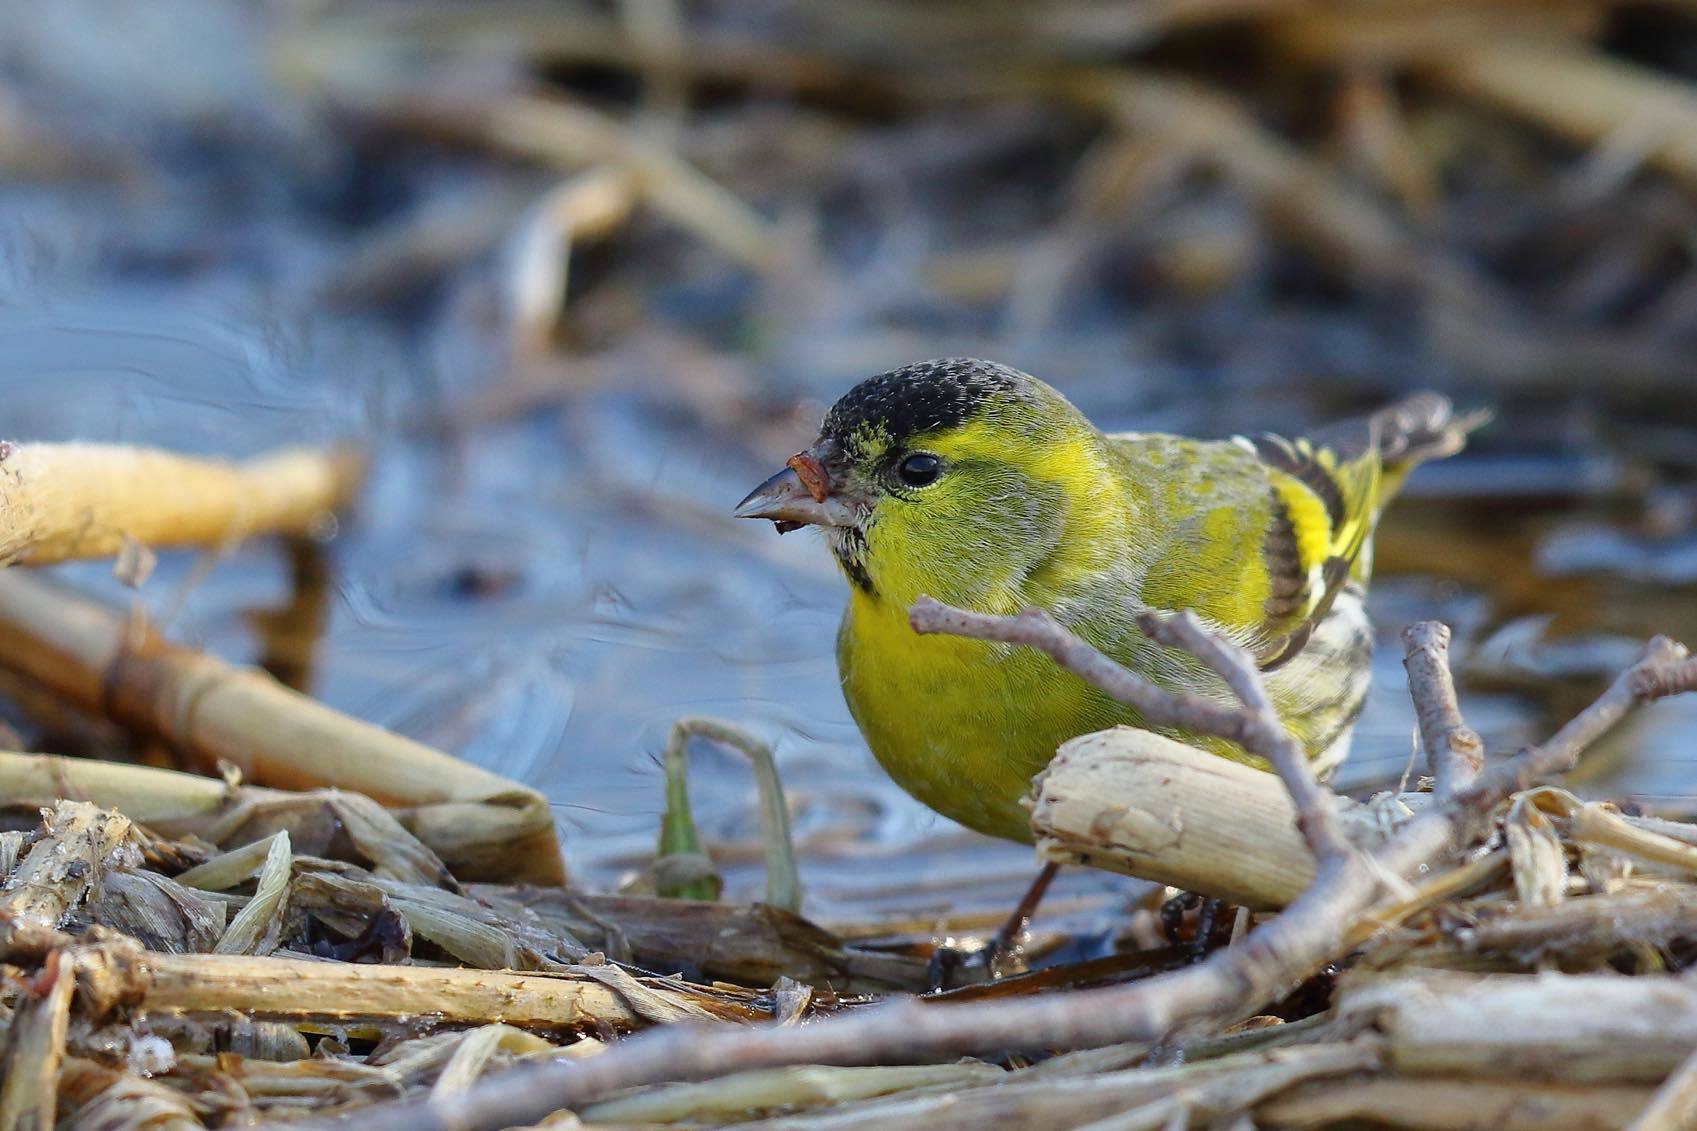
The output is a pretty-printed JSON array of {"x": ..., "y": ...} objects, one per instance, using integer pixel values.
[{"x": 579, "y": 273}]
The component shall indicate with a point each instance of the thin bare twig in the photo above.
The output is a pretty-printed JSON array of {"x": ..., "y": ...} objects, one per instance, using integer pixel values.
[
  {"x": 1313, "y": 930},
  {"x": 1665, "y": 669},
  {"x": 1667, "y": 679},
  {"x": 1454, "y": 752}
]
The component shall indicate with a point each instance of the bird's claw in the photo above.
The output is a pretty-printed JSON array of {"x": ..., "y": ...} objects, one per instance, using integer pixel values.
[{"x": 969, "y": 962}]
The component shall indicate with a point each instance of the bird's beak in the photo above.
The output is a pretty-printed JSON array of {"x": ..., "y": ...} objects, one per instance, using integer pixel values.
[{"x": 799, "y": 495}]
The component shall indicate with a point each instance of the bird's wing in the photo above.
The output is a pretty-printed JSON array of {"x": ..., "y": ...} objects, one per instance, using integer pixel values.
[
  {"x": 1328, "y": 492},
  {"x": 1325, "y": 493},
  {"x": 1304, "y": 513}
]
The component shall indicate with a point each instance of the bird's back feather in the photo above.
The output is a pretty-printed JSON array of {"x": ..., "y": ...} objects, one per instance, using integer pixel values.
[{"x": 1309, "y": 505}]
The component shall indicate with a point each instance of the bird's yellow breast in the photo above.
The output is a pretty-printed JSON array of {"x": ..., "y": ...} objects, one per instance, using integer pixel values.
[{"x": 963, "y": 725}]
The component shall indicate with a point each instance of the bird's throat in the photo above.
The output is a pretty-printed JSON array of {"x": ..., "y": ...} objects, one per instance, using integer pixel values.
[{"x": 848, "y": 546}]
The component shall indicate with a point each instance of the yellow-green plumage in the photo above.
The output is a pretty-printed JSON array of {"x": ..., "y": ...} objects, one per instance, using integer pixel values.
[{"x": 1267, "y": 540}]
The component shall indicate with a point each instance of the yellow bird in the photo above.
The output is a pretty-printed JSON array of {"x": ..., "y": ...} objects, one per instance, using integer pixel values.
[{"x": 981, "y": 486}]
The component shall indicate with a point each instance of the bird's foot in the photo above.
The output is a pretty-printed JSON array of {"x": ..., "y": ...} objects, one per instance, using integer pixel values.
[
  {"x": 969, "y": 962},
  {"x": 957, "y": 962},
  {"x": 1174, "y": 912}
]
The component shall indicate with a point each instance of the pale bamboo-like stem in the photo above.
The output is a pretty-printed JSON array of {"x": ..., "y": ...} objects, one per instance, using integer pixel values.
[
  {"x": 174, "y": 803},
  {"x": 167, "y": 801},
  {"x": 288, "y": 989},
  {"x": 1674, "y": 1106},
  {"x": 64, "y": 501},
  {"x": 1448, "y": 1103},
  {"x": 77, "y": 845},
  {"x": 1599, "y": 924},
  {"x": 807, "y": 1085},
  {"x": 1144, "y": 1097},
  {"x": 212, "y": 711},
  {"x": 1612, "y": 1028},
  {"x": 1592, "y": 824}
]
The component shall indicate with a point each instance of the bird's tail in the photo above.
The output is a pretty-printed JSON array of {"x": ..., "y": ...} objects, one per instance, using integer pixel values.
[{"x": 1423, "y": 427}]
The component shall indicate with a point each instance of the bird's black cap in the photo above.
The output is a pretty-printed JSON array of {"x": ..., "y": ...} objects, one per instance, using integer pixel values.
[{"x": 918, "y": 398}]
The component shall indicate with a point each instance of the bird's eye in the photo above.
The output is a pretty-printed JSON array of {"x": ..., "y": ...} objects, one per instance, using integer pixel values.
[{"x": 919, "y": 469}]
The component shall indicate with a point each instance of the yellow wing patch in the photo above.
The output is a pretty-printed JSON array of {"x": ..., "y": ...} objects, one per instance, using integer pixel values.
[
  {"x": 1325, "y": 502},
  {"x": 1310, "y": 527}
]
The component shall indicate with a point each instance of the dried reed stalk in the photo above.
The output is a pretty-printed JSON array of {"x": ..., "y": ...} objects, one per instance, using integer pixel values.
[
  {"x": 539, "y": 254},
  {"x": 1135, "y": 802},
  {"x": 93, "y": 1097},
  {"x": 1571, "y": 1027},
  {"x": 63, "y": 501},
  {"x": 166, "y": 801},
  {"x": 174, "y": 804},
  {"x": 481, "y": 824},
  {"x": 1674, "y": 1106},
  {"x": 1267, "y": 962},
  {"x": 1136, "y": 1099},
  {"x": 1445, "y": 1103},
  {"x": 805, "y": 1086},
  {"x": 1297, "y": 194},
  {"x": 1583, "y": 95},
  {"x": 35, "y": 1045},
  {"x": 573, "y": 136},
  {"x": 347, "y": 994},
  {"x": 753, "y": 944}
]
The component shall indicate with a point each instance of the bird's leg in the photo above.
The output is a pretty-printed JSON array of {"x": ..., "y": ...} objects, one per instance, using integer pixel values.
[
  {"x": 1002, "y": 954},
  {"x": 1205, "y": 916},
  {"x": 944, "y": 966},
  {"x": 1207, "y": 910},
  {"x": 1172, "y": 914},
  {"x": 1007, "y": 945}
]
